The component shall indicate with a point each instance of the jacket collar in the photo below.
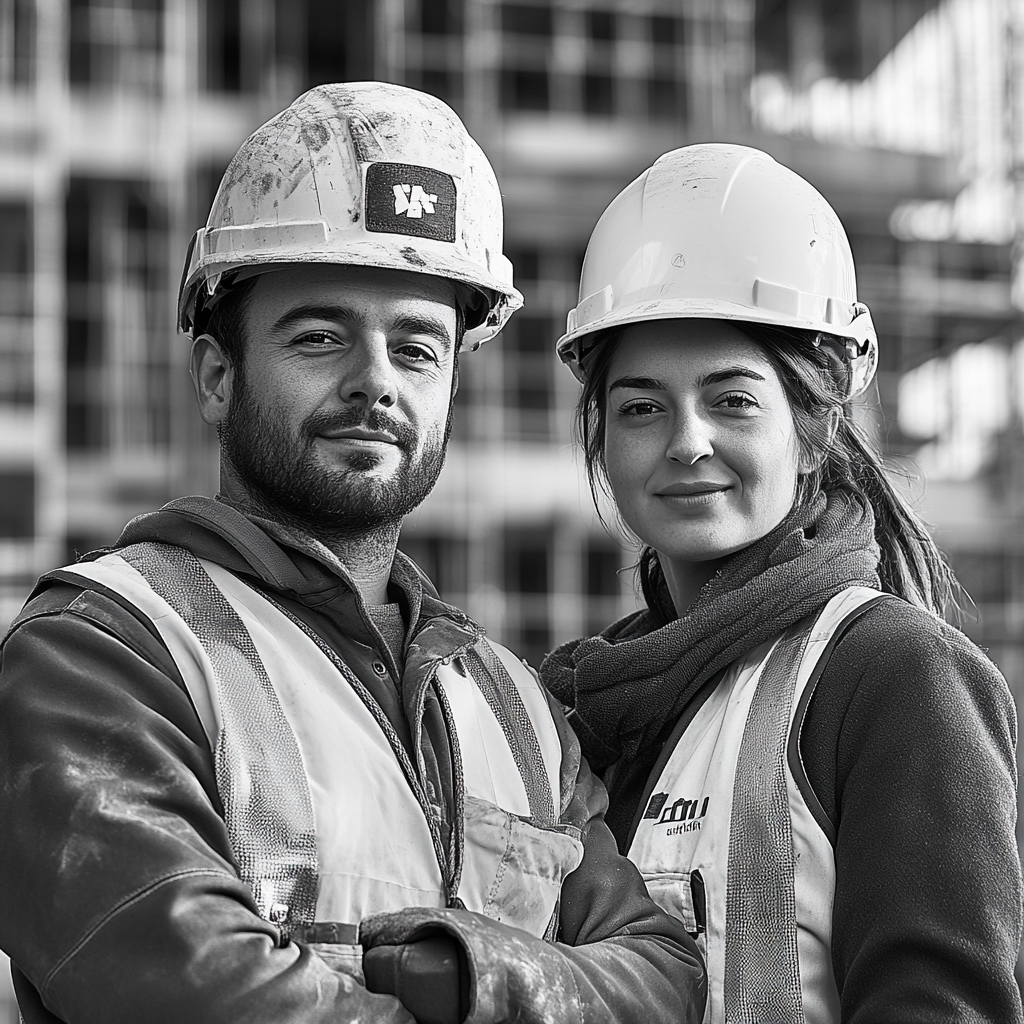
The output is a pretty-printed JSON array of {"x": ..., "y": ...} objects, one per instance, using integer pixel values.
[{"x": 297, "y": 565}]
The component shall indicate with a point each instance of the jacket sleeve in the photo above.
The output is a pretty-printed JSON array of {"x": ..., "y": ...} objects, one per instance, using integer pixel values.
[
  {"x": 619, "y": 959},
  {"x": 631, "y": 960},
  {"x": 119, "y": 898},
  {"x": 927, "y": 912}
]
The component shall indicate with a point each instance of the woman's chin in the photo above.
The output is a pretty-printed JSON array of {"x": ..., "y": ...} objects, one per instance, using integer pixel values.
[{"x": 698, "y": 547}]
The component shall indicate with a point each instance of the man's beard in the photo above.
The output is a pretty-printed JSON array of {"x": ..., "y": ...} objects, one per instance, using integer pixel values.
[{"x": 284, "y": 476}]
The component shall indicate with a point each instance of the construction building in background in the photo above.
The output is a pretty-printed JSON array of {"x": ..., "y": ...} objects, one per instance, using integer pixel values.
[{"x": 117, "y": 118}]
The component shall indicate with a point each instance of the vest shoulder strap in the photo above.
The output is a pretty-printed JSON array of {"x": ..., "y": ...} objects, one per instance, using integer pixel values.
[
  {"x": 762, "y": 967},
  {"x": 260, "y": 774},
  {"x": 794, "y": 753},
  {"x": 762, "y": 960}
]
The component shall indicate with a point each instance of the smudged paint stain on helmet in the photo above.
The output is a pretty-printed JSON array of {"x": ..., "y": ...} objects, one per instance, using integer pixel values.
[
  {"x": 413, "y": 257},
  {"x": 294, "y": 192}
]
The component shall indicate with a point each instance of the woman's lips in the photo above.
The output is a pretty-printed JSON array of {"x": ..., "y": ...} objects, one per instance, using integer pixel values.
[
  {"x": 691, "y": 490},
  {"x": 692, "y": 495}
]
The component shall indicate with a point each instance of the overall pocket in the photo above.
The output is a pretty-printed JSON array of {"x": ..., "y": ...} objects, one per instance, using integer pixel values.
[
  {"x": 340, "y": 956},
  {"x": 682, "y": 894},
  {"x": 513, "y": 870}
]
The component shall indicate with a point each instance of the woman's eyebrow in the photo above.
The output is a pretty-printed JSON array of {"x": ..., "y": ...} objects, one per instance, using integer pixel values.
[
  {"x": 714, "y": 377},
  {"x": 640, "y": 383},
  {"x": 727, "y": 373}
]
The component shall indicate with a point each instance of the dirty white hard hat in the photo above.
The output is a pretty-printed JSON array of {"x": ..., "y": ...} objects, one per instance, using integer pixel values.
[
  {"x": 361, "y": 173},
  {"x": 717, "y": 231}
]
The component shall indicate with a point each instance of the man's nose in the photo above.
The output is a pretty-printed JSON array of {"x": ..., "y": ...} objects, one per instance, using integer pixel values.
[
  {"x": 370, "y": 375},
  {"x": 691, "y": 439}
]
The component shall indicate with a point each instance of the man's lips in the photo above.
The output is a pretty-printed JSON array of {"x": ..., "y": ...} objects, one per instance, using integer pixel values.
[{"x": 360, "y": 434}]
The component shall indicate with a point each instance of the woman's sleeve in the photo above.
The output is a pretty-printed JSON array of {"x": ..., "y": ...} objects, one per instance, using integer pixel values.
[{"x": 921, "y": 730}]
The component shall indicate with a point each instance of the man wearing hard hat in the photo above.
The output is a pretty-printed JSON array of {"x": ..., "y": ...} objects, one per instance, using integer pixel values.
[{"x": 254, "y": 769}]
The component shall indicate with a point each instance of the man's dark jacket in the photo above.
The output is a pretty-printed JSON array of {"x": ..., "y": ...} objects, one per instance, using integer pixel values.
[{"x": 120, "y": 899}]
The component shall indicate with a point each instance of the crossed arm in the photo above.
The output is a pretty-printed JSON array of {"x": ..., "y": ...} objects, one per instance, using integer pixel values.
[{"x": 119, "y": 899}]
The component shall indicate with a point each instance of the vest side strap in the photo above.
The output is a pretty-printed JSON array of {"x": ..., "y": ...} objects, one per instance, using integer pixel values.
[
  {"x": 501, "y": 694},
  {"x": 762, "y": 965}
]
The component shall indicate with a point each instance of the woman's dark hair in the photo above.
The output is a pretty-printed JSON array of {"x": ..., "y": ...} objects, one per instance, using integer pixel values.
[{"x": 816, "y": 381}]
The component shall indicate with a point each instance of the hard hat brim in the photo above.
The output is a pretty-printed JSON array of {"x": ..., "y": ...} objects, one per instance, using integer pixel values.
[
  {"x": 573, "y": 346},
  {"x": 414, "y": 258}
]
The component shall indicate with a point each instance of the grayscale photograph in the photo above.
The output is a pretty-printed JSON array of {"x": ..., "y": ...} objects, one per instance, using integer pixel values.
[{"x": 511, "y": 511}]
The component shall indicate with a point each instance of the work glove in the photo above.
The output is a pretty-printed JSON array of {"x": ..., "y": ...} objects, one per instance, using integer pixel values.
[
  {"x": 429, "y": 976},
  {"x": 504, "y": 973}
]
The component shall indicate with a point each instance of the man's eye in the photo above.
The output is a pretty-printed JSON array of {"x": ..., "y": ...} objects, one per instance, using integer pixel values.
[
  {"x": 416, "y": 353},
  {"x": 320, "y": 339}
]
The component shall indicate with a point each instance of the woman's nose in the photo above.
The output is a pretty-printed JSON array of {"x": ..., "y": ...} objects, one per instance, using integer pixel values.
[
  {"x": 370, "y": 375},
  {"x": 691, "y": 441}
]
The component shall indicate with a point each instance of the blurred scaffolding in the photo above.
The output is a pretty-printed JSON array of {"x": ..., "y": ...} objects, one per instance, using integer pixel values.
[{"x": 118, "y": 116}]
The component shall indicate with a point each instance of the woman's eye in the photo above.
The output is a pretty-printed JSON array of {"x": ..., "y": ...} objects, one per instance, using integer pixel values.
[
  {"x": 639, "y": 408},
  {"x": 737, "y": 400}
]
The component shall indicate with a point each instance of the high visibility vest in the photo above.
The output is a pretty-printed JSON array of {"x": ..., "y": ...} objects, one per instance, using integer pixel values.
[
  {"x": 327, "y": 814},
  {"x": 747, "y": 863}
]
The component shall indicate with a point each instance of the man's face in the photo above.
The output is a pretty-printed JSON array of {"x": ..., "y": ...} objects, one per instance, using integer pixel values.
[{"x": 338, "y": 414}]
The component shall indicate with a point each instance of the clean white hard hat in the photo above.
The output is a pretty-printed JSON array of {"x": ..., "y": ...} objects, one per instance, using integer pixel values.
[
  {"x": 362, "y": 173},
  {"x": 722, "y": 232}
]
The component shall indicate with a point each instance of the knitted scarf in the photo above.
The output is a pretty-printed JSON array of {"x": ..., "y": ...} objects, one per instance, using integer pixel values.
[{"x": 630, "y": 684}]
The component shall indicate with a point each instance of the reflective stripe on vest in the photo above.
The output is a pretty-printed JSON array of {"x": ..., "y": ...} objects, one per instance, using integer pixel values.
[
  {"x": 682, "y": 843},
  {"x": 370, "y": 848}
]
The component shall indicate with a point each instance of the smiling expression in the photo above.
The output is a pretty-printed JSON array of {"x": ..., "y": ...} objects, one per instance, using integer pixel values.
[
  {"x": 339, "y": 410},
  {"x": 700, "y": 446}
]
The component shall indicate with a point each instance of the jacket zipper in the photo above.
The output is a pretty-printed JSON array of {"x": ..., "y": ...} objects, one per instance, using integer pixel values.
[{"x": 449, "y": 873}]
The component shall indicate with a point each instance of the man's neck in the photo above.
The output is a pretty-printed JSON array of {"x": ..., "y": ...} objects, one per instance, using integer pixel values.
[
  {"x": 368, "y": 559},
  {"x": 366, "y": 555}
]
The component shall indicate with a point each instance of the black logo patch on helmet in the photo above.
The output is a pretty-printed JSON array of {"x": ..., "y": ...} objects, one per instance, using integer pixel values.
[{"x": 403, "y": 199}]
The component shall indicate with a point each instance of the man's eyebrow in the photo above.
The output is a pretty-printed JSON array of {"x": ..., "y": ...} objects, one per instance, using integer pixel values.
[
  {"x": 640, "y": 383},
  {"x": 412, "y": 323},
  {"x": 314, "y": 311},
  {"x": 728, "y": 373},
  {"x": 421, "y": 323}
]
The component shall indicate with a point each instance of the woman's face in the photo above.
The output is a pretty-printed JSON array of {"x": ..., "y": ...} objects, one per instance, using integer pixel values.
[{"x": 700, "y": 446}]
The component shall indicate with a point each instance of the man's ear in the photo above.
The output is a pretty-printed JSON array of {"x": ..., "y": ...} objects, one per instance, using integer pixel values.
[{"x": 212, "y": 376}]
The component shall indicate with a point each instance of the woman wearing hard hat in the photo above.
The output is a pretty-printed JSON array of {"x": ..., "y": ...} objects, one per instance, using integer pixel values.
[{"x": 809, "y": 766}]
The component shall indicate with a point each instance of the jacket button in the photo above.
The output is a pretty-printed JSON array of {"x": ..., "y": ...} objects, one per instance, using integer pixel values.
[{"x": 380, "y": 668}]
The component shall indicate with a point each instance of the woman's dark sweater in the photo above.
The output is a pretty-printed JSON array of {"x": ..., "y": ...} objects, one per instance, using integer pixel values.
[{"x": 908, "y": 743}]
